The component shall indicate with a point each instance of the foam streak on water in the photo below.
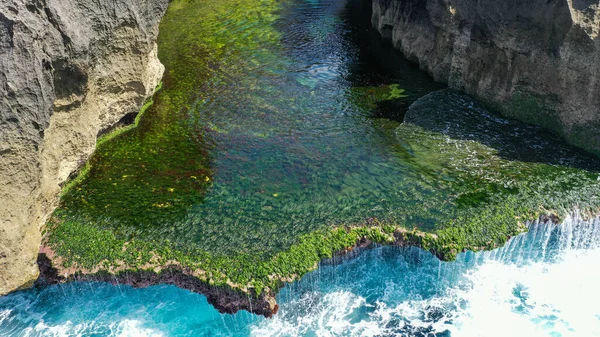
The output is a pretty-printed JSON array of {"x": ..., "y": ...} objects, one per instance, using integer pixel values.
[{"x": 543, "y": 283}]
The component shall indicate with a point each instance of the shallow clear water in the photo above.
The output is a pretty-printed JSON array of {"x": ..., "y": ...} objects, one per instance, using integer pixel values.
[
  {"x": 284, "y": 101},
  {"x": 280, "y": 108},
  {"x": 543, "y": 283},
  {"x": 293, "y": 151}
]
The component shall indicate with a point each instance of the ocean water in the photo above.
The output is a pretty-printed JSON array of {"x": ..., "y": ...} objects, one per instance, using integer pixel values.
[{"x": 543, "y": 283}]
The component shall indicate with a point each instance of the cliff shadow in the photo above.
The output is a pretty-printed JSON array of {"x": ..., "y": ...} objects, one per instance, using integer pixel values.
[
  {"x": 379, "y": 62},
  {"x": 461, "y": 117}
]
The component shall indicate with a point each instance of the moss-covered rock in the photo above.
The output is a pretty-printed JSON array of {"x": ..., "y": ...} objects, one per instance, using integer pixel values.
[{"x": 229, "y": 179}]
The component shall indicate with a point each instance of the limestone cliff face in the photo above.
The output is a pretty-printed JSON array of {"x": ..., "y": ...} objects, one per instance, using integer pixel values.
[
  {"x": 69, "y": 69},
  {"x": 535, "y": 60}
]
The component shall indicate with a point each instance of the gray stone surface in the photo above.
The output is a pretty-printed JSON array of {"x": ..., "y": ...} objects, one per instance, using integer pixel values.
[
  {"x": 537, "y": 60},
  {"x": 69, "y": 69}
]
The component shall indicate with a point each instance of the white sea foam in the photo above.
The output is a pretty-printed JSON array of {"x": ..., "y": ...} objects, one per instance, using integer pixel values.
[
  {"x": 325, "y": 314},
  {"x": 541, "y": 299},
  {"x": 133, "y": 328},
  {"x": 4, "y": 315},
  {"x": 542, "y": 284},
  {"x": 124, "y": 328},
  {"x": 553, "y": 295}
]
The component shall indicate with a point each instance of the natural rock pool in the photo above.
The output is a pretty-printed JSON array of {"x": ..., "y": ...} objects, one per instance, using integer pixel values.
[{"x": 277, "y": 140}]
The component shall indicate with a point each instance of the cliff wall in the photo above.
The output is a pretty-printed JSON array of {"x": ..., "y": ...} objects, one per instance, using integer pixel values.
[
  {"x": 537, "y": 61},
  {"x": 69, "y": 70}
]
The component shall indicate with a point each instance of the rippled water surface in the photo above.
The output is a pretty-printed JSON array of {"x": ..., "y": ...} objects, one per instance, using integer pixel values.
[
  {"x": 265, "y": 129},
  {"x": 543, "y": 283}
]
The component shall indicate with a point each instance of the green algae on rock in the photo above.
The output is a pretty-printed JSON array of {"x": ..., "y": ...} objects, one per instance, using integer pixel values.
[
  {"x": 257, "y": 160},
  {"x": 368, "y": 97}
]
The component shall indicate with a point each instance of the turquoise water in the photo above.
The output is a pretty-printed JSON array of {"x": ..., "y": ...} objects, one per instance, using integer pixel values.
[{"x": 542, "y": 283}]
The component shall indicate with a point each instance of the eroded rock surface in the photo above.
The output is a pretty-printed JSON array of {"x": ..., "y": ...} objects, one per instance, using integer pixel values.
[
  {"x": 69, "y": 69},
  {"x": 537, "y": 61}
]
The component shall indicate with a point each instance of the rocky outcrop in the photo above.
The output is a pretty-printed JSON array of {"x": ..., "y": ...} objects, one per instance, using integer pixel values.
[
  {"x": 224, "y": 299},
  {"x": 537, "y": 61},
  {"x": 69, "y": 69}
]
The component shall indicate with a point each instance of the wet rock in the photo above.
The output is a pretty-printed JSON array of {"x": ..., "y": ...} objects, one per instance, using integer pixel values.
[
  {"x": 461, "y": 117},
  {"x": 224, "y": 299}
]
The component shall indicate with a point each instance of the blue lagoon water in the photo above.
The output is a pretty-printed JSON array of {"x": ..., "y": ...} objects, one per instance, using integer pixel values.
[{"x": 543, "y": 283}]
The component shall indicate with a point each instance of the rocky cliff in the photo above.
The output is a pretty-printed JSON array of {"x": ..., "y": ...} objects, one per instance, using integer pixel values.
[
  {"x": 537, "y": 61},
  {"x": 69, "y": 70}
]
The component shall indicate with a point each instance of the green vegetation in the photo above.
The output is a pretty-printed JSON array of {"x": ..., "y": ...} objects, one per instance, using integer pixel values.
[
  {"x": 246, "y": 176},
  {"x": 83, "y": 173},
  {"x": 159, "y": 167},
  {"x": 493, "y": 199},
  {"x": 86, "y": 247},
  {"x": 367, "y": 98}
]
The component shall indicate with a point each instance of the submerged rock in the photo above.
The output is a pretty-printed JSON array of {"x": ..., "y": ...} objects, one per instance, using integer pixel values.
[
  {"x": 485, "y": 190},
  {"x": 69, "y": 70},
  {"x": 537, "y": 61},
  {"x": 461, "y": 117}
]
